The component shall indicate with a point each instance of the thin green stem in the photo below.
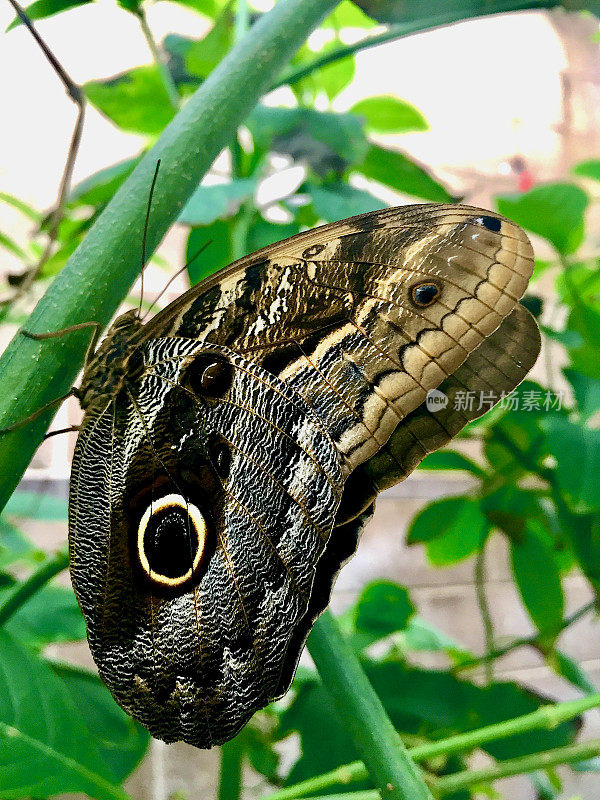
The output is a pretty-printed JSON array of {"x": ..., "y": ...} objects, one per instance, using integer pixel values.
[
  {"x": 365, "y": 719},
  {"x": 159, "y": 60},
  {"x": 232, "y": 759},
  {"x": 525, "y": 641},
  {"x": 484, "y": 611},
  {"x": 546, "y": 717},
  {"x": 22, "y": 593},
  {"x": 100, "y": 272},
  {"x": 516, "y": 766},
  {"x": 402, "y": 29},
  {"x": 242, "y": 20}
]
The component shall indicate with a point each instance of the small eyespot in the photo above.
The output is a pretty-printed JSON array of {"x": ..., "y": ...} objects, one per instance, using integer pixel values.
[
  {"x": 313, "y": 251},
  {"x": 491, "y": 223},
  {"x": 424, "y": 294},
  {"x": 171, "y": 541},
  {"x": 210, "y": 375}
]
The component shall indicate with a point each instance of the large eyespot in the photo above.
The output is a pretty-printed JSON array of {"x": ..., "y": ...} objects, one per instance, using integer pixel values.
[
  {"x": 424, "y": 294},
  {"x": 491, "y": 223},
  {"x": 210, "y": 375},
  {"x": 171, "y": 541}
]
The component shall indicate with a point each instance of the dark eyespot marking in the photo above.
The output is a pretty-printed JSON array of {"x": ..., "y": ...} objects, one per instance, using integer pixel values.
[
  {"x": 135, "y": 364},
  {"x": 424, "y": 294},
  {"x": 313, "y": 250},
  {"x": 221, "y": 458},
  {"x": 171, "y": 541},
  {"x": 210, "y": 375},
  {"x": 491, "y": 223}
]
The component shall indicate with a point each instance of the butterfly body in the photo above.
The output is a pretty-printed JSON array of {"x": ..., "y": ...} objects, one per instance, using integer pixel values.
[{"x": 232, "y": 448}]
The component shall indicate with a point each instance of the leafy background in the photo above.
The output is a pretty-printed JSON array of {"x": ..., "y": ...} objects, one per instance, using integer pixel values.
[{"x": 533, "y": 468}]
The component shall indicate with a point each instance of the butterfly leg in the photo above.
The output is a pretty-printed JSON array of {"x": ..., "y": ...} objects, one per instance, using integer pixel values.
[
  {"x": 74, "y": 392},
  {"x": 63, "y": 331}
]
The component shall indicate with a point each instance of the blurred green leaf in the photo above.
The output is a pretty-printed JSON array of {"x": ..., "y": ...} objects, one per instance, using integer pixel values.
[
  {"x": 217, "y": 253},
  {"x": 135, "y": 101},
  {"x": 387, "y": 114},
  {"x": 347, "y": 15},
  {"x": 450, "y": 459},
  {"x": 50, "y": 615},
  {"x": 15, "y": 547},
  {"x": 337, "y": 201},
  {"x": 204, "y": 55},
  {"x": 25, "y": 209},
  {"x": 583, "y": 532},
  {"x": 453, "y": 529},
  {"x": 537, "y": 579},
  {"x": 554, "y": 211},
  {"x": 574, "y": 444},
  {"x": 209, "y": 8},
  {"x": 588, "y": 169},
  {"x": 586, "y": 391},
  {"x": 263, "y": 233},
  {"x": 97, "y": 189},
  {"x": 9, "y": 244},
  {"x": 327, "y": 141},
  {"x": 397, "y": 171},
  {"x": 334, "y": 77},
  {"x": 209, "y": 203},
  {"x": 120, "y": 740},
  {"x": 37, "y": 505},
  {"x": 42, "y": 9},
  {"x": 45, "y": 747},
  {"x": 569, "y": 669},
  {"x": 383, "y": 608}
]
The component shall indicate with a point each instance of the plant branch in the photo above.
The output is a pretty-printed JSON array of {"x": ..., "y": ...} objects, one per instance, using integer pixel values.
[
  {"x": 402, "y": 29},
  {"x": 484, "y": 610},
  {"x": 230, "y": 779},
  {"x": 361, "y": 712},
  {"x": 24, "y": 591},
  {"x": 100, "y": 272},
  {"x": 159, "y": 60},
  {"x": 546, "y": 717}
]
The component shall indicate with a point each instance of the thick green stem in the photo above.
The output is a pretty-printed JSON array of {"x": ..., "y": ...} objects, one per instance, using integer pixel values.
[
  {"x": 232, "y": 759},
  {"x": 24, "y": 591},
  {"x": 546, "y": 717},
  {"x": 365, "y": 719},
  {"x": 100, "y": 272}
]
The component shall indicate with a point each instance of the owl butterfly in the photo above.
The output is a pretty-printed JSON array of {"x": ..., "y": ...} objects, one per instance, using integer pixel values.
[{"x": 232, "y": 448}]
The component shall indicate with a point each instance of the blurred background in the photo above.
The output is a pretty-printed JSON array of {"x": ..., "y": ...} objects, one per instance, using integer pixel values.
[{"x": 500, "y": 112}]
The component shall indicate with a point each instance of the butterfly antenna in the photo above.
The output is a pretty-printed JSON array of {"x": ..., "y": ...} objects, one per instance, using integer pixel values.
[
  {"x": 145, "y": 234},
  {"x": 176, "y": 275}
]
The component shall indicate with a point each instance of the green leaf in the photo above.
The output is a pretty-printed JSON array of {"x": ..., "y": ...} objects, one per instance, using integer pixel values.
[
  {"x": 97, "y": 189},
  {"x": 135, "y": 101},
  {"x": 586, "y": 391},
  {"x": 209, "y": 203},
  {"x": 36, "y": 505},
  {"x": 569, "y": 669},
  {"x": 537, "y": 578},
  {"x": 554, "y": 211},
  {"x": 420, "y": 635},
  {"x": 120, "y": 740},
  {"x": 588, "y": 169},
  {"x": 337, "y": 201},
  {"x": 217, "y": 253},
  {"x": 204, "y": 55},
  {"x": 383, "y": 608},
  {"x": 450, "y": 459},
  {"x": 397, "y": 171},
  {"x": 453, "y": 528},
  {"x": 577, "y": 452},
  {"x": 25, "y": 209},
  {"x": 50, "y": 615},
  {"x": 209, "y": 8},
  {"x": 42, "y": 9},
  {"x": 45, "y": 748},
  {"x": 15, "y": 547},
  {"x": 583, "y": 531},
  {"x": 325, "y": 140},
  {"x": 263, "y": 233},
  {"x": 9, "y": 244},
  {"x": 387, "y": 114},
  {"x": 334, "y": 77}
]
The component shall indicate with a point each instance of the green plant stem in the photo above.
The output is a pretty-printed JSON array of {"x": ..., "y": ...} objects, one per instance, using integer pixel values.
[
  {"x": 516, "y": 766},
  {"x": 163, "y": 69},
  {"x": 484, "y": 611},
  {"x": 230, "y": 779},
  {"x": 365, "y": 719},
  {"x": 546, "y": 717},
  {"x": 24, "y": 591},
  {"x": 409, "y": 28},
  {"x": 525, "y": 641},
  {"x": 100, "y": 272}
]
